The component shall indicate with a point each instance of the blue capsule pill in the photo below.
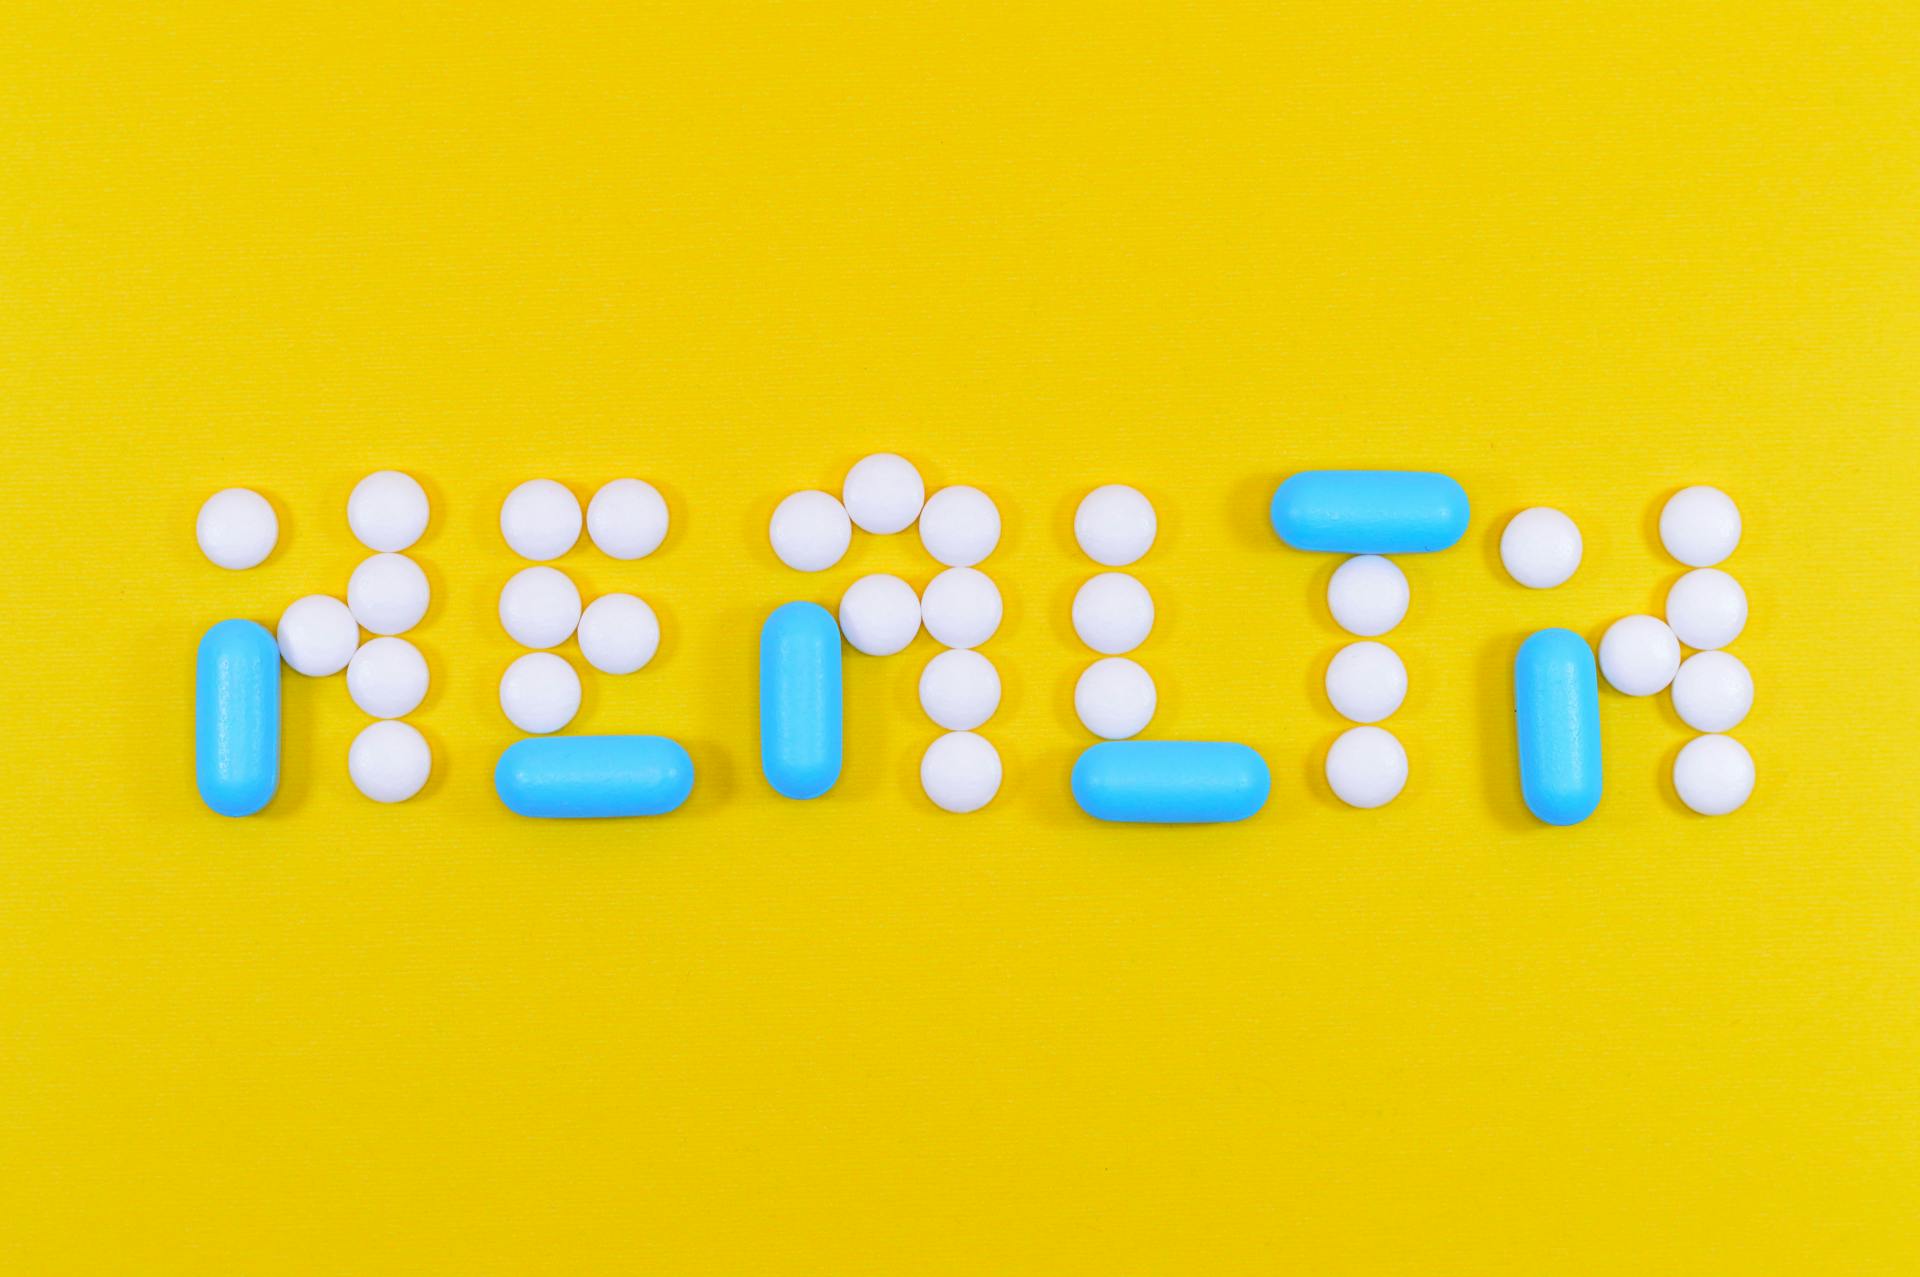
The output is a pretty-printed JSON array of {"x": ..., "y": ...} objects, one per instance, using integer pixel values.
[
  {"x": 563, "y": 777},
  {"x": 1556, "y": 699},
  {"x": 1370, "y": 511},
  {"x": 236, "y": 718},
  {"x": 800, "y": 700},
  {"x": 1170, "y": 782}
]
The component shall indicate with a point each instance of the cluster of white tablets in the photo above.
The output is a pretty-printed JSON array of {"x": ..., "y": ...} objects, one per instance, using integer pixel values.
[
  {"x": 880, "y": 614},
  {"x": 1113, "y": 613},
  {"x": 1367, "y": 681},
  {"x": 1712, "y": 690},
  {"x": 319, "y": 635},
  {"x": 540, "y": 606}
]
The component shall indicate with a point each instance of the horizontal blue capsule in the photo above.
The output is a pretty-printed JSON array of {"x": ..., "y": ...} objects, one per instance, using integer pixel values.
[
  {"x": 800, "y": 691},
  {"x": 1370, "y": 511},
  {"x": 236, "y": 718},
  {"x": 1170, "y": 782},
  {"x": 1556, "y": 700},
  {"x": 566, "y": 777}
]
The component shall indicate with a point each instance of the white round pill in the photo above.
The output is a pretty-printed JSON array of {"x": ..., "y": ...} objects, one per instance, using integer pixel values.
[
  {"x": 1366, "y": 681},
  {"x": 317, "y": 635},
  {"x": 1700, "y": 526},
  {"x": 1713, "y": 691},
  {"x": 389, "y": 761},
  {"x": 883, "y": 493},
  {"x": 1707, "y": 608},
  {"x": 810, "y": 531},
  {"x": 387, "y": 678},
  {"x": 1115, "y": 698},
  {"x": 960, "y": 772},
  {"x": 1639, "y": 655},
  {"x": 618, "y": 633},
  {"x": 387, "y": 510},
  {"x": 959, "y": 689},
  {"x": 236, "y": 528},
  {"x": 1367, "y": 767},
  {"x": 627, "y": 519},
  {"x": 1368, "y": 595},
  {"x": 1540, "y": 548},
  {"x": 540, "y": 693},
  {"x": 1115, "y": 525},
  {"x": 1713, "y": 775},
  {"x": 1112, "y": 613},
  {"x": 540, "y": 519},
  {"x": 388, "y": 594},
  {"x": 960, "y": 526},
  {"x": 879, "y": 614},
  {"x": 961, "y": 607},
  {"x": 539, "y": 607}
]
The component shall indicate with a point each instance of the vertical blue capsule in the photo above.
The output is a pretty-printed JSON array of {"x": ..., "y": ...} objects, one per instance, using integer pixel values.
[
  {"x": 1556, "y": 698},
  {"x": 236, "y": 711},
  {"x": 800, "y": 691}
]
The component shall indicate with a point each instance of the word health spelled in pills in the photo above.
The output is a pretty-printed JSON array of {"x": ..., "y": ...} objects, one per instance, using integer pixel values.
[{"x": 1365, "y": 521}]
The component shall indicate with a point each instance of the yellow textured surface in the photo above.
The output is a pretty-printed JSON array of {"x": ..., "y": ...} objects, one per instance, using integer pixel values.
[{"x": 1574, "y": 255}]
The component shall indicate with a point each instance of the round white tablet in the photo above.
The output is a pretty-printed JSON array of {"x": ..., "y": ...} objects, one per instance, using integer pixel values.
[
  {"x": 1712, "y": 692},
  {"x": 1115, "y": 525},
  {"x": 1367, "y": 767},
  {"x": 1112, "y": 613},
  {"x": 388, "y": 594},
  {"x": 961, "y": 607},
  {"x": 960, "y": 526},
  {"x": 960, "y": 772},
  {"x": 317, "y": 635},
  {"x": 389, "y": 761},
  {"x": 627, "y": 519},
  {"x": 1707, "y": 608},
  {"x": 539, "y": 607},
  {"x": 387, "y": 678},
  {"x": 1115, "y": 698},
  {"x": 810, "y": 531},
  {"x": 236, "y": 528},
  {"x": 959, "y": 689},
  {"x": 1368, "y": 595},
  {"x": 1540, "y": 548},
  {"x": 540, "y": 693},
  {"x": 1713, "y": 775},
  {"x": 1700, "y": 526},
  {"x": 540, "y": 519},
  {"x": 1366, "y": 681},
  {"x": 387, "y": 510},
  {"x": 883, "y": 493},
  {"x": 1639, "y": 655},
  {"x": 879, "y": 614},
  {"x": 618, "y": 633}
]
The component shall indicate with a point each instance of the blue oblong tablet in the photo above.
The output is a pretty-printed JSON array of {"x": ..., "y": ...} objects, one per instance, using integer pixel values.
[
  {"x": 1556, "y": 701},
  {"x": 800, "y": 713},
  {"x": 1370, "y": 511},
  {"x": 1170, "y": 782},
  {"x": 236, "y": 718},
  {"x": 575, "y": 777}
]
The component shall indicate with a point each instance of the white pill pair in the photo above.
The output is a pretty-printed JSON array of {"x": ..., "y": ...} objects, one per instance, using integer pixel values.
[
  {"x": 626, "y": 519},
  {"x": 540, "y": 608},
  {"x": 880, "y": 614},
  {"x": 811, "y": 531}
]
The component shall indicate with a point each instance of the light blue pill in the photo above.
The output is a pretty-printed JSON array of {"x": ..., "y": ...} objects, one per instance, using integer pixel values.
[
  {"x": 570, "y": 777},
  {"x": 236, "y": 718},
  {"x": 800, "y": 700},
  {"x": 1556, "y": 699},
  {"x": 1170, "y": 782},
  {"x": 1370, "y": 511}
]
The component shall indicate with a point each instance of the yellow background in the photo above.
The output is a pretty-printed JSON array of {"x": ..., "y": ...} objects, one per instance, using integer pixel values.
[{"x": 1574, "y": 255}]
